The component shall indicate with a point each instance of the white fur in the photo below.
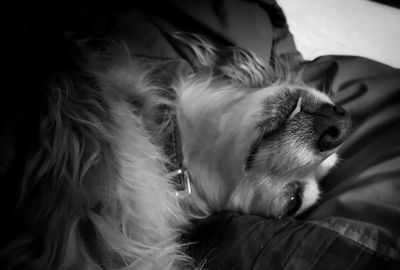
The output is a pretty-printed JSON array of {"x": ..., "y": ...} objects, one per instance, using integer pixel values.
[{"x": 96, "y": 193}]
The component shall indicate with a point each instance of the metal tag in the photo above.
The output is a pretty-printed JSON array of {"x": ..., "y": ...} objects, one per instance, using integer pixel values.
[{"x": 182, "y": 183}]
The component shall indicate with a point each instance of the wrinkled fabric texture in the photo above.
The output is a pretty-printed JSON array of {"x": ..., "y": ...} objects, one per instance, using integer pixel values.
[
  {"x": 356, "y": 224},
  {"x": 230, "y": 240},
  {"x": 362, "y": 195}
]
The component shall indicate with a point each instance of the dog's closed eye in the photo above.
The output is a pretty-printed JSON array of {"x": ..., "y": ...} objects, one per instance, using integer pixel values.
[{"x": 296, "y": 110}]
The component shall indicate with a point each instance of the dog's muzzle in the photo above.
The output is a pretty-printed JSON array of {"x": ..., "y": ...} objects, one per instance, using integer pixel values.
[{"x": 332, "y": 125}]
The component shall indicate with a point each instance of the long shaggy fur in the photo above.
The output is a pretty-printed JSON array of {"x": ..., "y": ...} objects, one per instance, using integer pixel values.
[{"x": 96, "y": 194}]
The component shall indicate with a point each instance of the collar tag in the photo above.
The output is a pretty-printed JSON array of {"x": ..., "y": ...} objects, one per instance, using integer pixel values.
[{"x": 182, "y": 182}]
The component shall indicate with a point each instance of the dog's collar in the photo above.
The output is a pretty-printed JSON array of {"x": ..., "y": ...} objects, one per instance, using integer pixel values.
[
  {"x": 182, "y": 181},
  {"x": 181, "y": 175},
  {"x": 171, "y": 141},
  {"x": 173, "y": 148}
]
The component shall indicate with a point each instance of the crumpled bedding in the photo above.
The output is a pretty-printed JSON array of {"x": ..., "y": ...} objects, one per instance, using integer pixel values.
[
  {"x": 230, "y": 240},
  {"x": 356, "y": 224},
  {"x": 362, "y": 195}
]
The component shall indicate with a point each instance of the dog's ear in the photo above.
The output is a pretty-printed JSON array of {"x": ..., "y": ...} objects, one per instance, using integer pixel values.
[
  {"x": 205, "y": 53},
  {"x": 242, "y": 66},
  {"x": 232, "y": 63}
]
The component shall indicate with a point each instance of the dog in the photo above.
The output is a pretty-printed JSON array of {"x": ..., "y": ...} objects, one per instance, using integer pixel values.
[
  {"x": 99, "y": 190},
  {"x": 255, "y": 141}
]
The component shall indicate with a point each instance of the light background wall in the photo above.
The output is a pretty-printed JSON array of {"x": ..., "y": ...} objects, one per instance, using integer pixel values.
[{"x": 349, "y": 27}]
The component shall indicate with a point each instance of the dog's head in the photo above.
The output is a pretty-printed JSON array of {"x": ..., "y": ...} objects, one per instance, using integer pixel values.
[{"x": 254, "y": 142}]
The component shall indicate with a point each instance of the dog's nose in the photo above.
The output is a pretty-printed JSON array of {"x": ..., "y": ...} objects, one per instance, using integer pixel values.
[{"x": 332, "y": 125}]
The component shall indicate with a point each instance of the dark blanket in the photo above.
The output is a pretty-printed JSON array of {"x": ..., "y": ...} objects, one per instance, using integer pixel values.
[{"x": 356, "y": 225}]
